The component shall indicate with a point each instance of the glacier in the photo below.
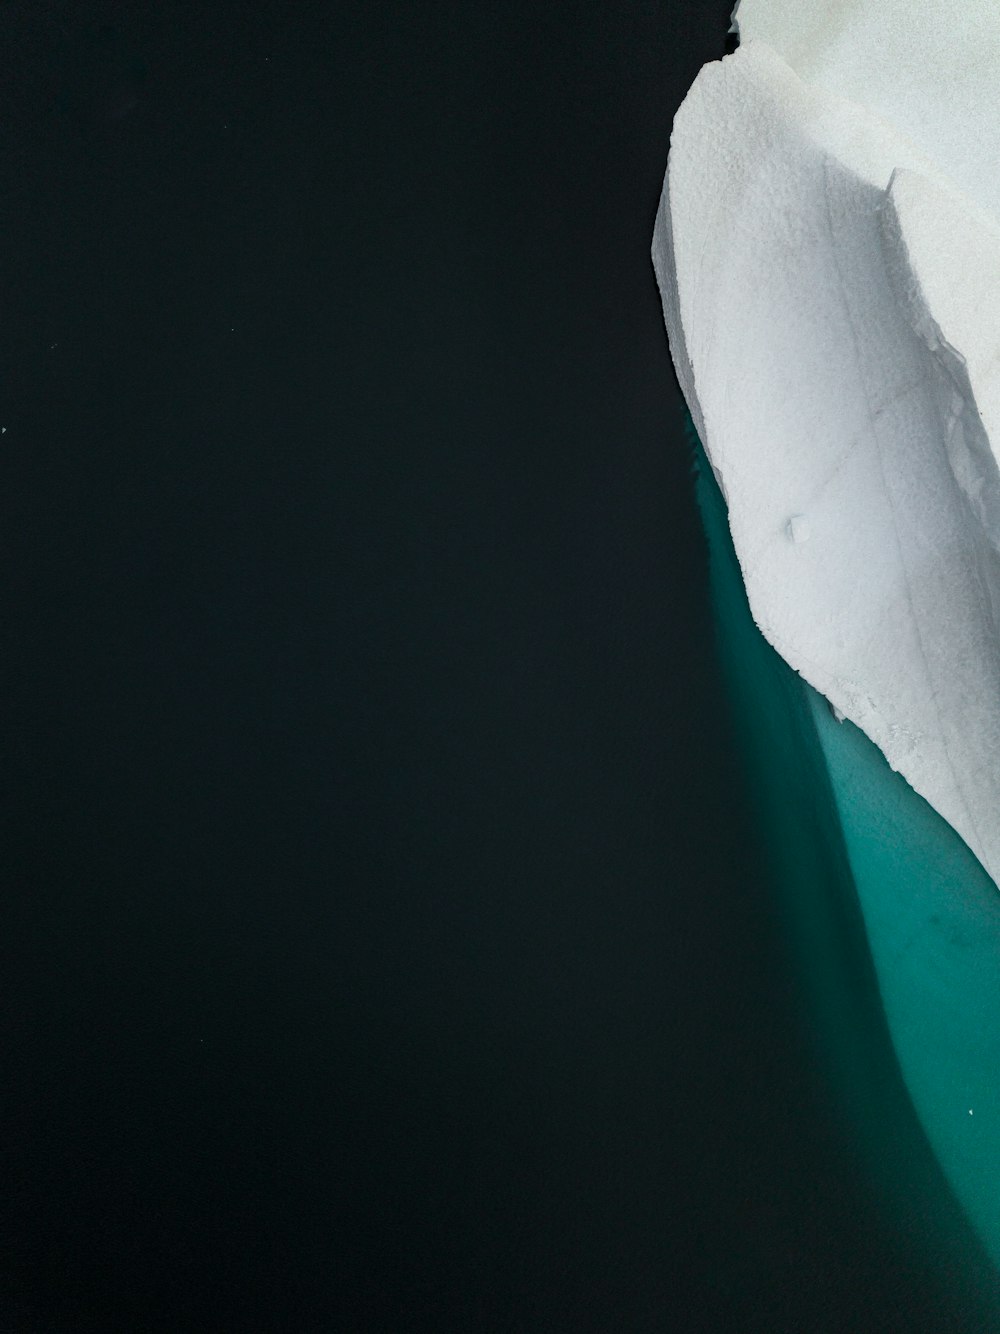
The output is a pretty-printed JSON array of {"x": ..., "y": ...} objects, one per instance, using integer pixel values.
[{"x": 827, "y": 246}]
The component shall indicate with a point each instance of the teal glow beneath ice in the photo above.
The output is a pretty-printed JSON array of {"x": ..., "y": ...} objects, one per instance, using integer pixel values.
[
  {"x": 932, "y": 917},
  {"x": 896, "y": 930}
]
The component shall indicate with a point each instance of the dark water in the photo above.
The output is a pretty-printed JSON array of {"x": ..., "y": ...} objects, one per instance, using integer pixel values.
[{"x": 388, "y": 939}]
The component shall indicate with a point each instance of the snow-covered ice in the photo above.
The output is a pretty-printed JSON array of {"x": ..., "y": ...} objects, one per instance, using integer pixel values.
[{"x": 828, "y": 252}]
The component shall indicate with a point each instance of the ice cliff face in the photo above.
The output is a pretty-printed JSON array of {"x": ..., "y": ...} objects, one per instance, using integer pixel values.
[{"x": 828, "y": 253}]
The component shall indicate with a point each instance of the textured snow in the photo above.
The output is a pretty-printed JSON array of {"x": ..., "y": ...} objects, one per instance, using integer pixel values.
[{"x": 831, "y": 288}]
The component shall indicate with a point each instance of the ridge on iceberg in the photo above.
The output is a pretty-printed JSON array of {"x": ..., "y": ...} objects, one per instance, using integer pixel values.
[{"x": 828, "y": 252}]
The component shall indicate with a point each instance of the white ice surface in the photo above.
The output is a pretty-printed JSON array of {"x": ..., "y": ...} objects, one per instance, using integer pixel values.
[
  {"x": 840, "y": 358},
  {"x": 929, "y": 68}
]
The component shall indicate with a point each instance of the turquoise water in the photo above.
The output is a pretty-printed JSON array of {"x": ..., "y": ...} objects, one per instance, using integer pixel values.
[
  {"x": 895, "y": 929},
  {"x": 932, "y": 917}
]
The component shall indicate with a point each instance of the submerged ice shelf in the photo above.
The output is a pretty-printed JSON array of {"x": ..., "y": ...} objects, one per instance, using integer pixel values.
[
  {"x": 895, "y": 930},
  {"x": 828, "y": 252}
]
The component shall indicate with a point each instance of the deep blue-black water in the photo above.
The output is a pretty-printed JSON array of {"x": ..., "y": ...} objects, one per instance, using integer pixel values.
[{"x": 390, "y": 941}]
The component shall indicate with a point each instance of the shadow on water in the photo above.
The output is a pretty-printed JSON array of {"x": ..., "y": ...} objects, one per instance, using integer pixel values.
[{"x": 778, "y": 718}]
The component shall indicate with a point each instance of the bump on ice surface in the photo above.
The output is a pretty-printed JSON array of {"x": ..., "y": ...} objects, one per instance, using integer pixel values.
[{"x": 828, "y": 253}]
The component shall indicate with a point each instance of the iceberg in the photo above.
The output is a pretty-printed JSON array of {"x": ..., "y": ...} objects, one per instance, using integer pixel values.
[
  {"x": 827, "y": 247},
  {"x": 830, "y": 283}
]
